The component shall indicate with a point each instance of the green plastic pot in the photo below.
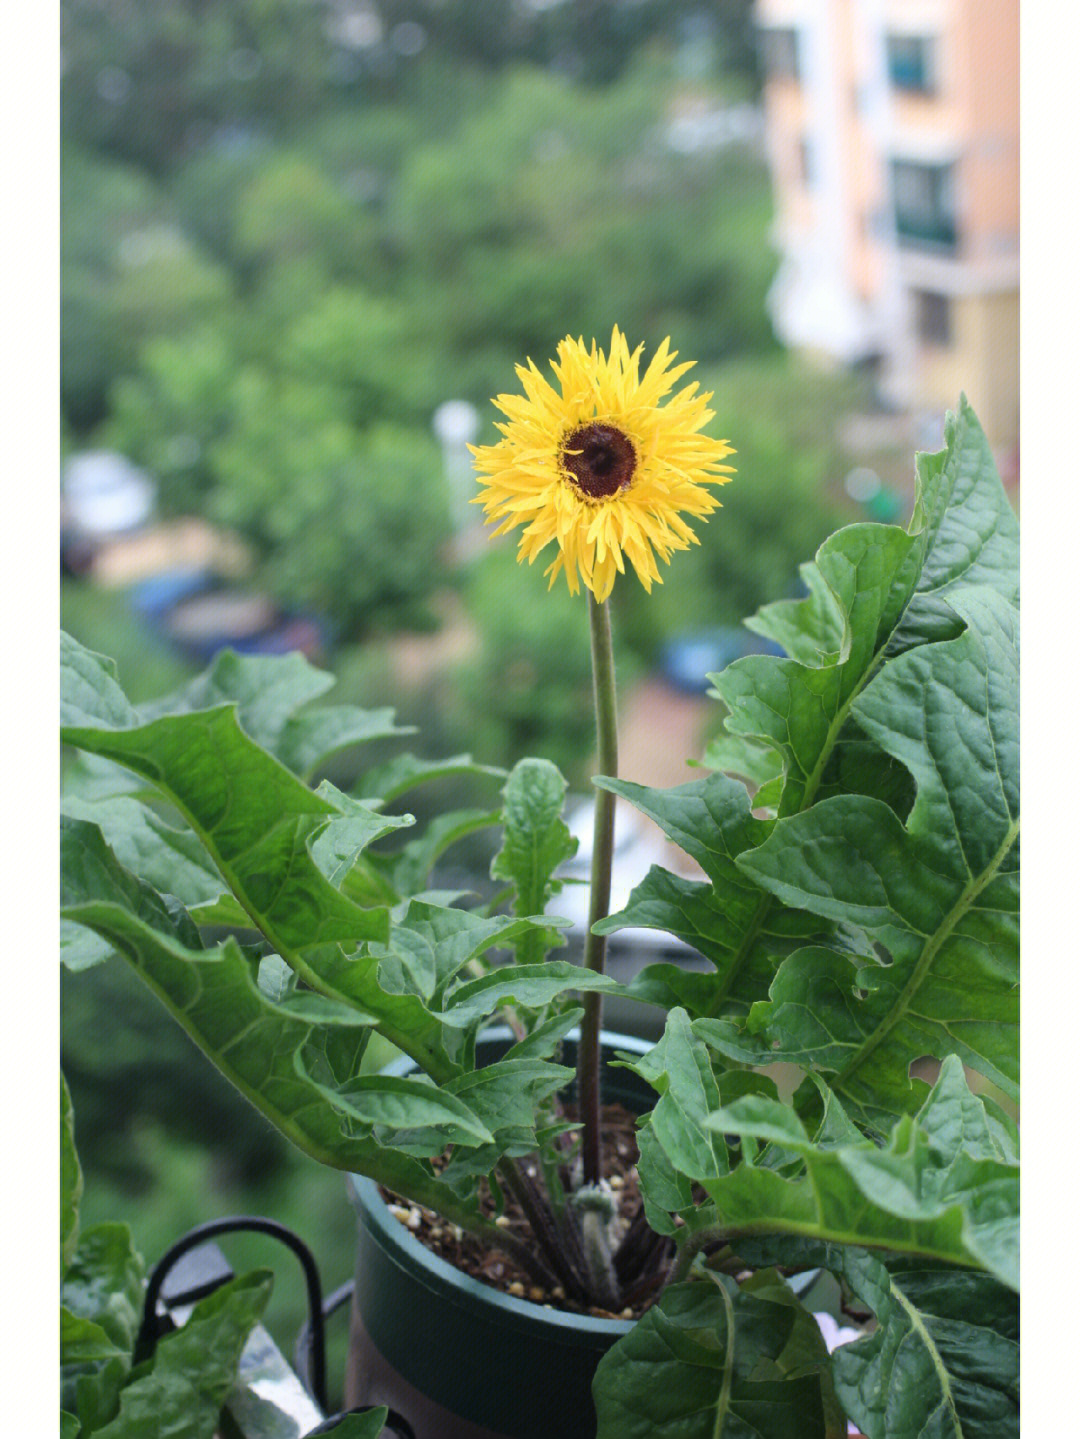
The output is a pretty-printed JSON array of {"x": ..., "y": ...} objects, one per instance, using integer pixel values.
[{"x": 459, "y": 1359}]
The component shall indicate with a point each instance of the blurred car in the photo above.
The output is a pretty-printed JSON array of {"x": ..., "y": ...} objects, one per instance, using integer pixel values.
[
  {"x": 688, "y": 658},
  {"x": 200, "y": 614}
]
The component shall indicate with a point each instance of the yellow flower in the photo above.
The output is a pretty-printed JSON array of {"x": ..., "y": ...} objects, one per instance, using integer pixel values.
[{"x": 600, "y": 466}]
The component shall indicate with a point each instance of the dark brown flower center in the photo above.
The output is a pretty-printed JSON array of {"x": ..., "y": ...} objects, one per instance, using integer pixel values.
[{"x": 600, "y": 460}]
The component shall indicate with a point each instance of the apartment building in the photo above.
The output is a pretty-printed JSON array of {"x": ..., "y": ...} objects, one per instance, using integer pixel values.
[{"x": 892, "y": 128}]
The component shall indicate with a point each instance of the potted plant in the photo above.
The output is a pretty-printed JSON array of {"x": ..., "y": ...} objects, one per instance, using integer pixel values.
[{"x": 856, "y": 828}]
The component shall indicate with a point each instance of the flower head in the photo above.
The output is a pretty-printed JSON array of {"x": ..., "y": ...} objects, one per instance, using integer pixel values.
[{"x": 600, "y": 466}]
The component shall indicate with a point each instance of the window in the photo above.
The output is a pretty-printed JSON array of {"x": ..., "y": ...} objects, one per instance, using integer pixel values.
[
  {"x": 779, "y": 50},
  {"x": 925, "y": 204},
  {"x": 911, "y": 62},
  {"x": 933, "y": 317}
]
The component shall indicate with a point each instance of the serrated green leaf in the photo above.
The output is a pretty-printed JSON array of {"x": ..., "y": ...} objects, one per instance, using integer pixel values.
[
  {"x": 811, "y": 629},
  {"x": 171, "y": 859},
  {"x": 216, "y": 999},
  {"x": 103, "y": 1283},
  {"x": 410, "y": 871},
  {"x": 940, "y": 1188},
  {"x": 544, "y": 1040},
  {"x": 531, "y": 985},
  {"x": 800, "y": 708},
  {"x": 755, "y": 763},
  {"x": 358, "y": 1426},
  {"x": 90, "y": 692},
  {"x": 338, "y": 847},
  {"x": 404, "y": 1103},
  {"x": 678, "y": 1069},
  {"x": 944, "y": 1359},
  {"x": 71, "y": 1180},
  {"x": 968, "y": 532},
  {"x": 939, "y": 894},
  {"x": 254, "y": 818},
  {"x": 431, "y": 944},
  {"x": 507, "y": 1094},
  {"x": 690, "y": 1367},
  {"x": 84, "y": 1342},
  {"x": 268, "y": 691},
  {"x": 404, "y": 772},
  {"x": 711, "y": 820},
  {"x": 194, "y": 1367},
  {"x": 308, "y": 740},
  {"x": 535, "y": 842},
  {"x": 70, "y": 1426}
]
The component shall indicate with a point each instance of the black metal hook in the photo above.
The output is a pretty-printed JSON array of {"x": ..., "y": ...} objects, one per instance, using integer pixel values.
[{"x": 150, "y": 1328}]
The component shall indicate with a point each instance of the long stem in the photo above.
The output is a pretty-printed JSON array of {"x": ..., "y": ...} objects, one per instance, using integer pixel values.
[{"x": 607, "y": 745}]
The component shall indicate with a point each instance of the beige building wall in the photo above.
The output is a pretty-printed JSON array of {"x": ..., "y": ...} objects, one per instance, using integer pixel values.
[{"x": 943, "y": 317}]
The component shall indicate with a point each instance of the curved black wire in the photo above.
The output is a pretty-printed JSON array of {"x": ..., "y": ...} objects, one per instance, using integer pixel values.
[
  {"x": 315, "y": 1366},
  {"x": 395, "y": 1422},
  {"x": 302, "y": 1354}
]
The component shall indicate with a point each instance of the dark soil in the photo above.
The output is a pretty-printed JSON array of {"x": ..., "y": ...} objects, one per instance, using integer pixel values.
[{"x": 498, "y": 1269}]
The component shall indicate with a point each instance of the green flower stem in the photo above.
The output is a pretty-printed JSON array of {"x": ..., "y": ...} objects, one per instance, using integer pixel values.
[{"x": 607, "y": 744}]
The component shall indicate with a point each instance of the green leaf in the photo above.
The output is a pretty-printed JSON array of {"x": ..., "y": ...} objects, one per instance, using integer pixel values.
[
  {"x": 535, "y": 842},
  {"x": 678, "y": 1069},
  {"x": 531, "y": 986},
  {"x": 252, "y": 1040},
  {"x": 79, "y": 949},
  {"x": 338, "y": 847},
  {"x": 968, "y": 532},
  {"x": 71, "y": 1180},
  {"x": 89, "y": 692},
  {"x": 810, "y": 629},
  {"x": 94, "y": 1392},
  {"x": 358, "y": 1426},
  {"x": 103, "y": 1283},
  {"x": 268, "y": 691},
  {"x": 84, "y": 1342},
  {"x": 507, "y": 1094},
  {"x": 70, "y": 1426},
  {"x": 410, "y": 870},
  {"x": 171, "y": 859},
  {"x": 872, "y": 592},
  {"x": 705, "y": 1361},
  {"x": 944, "y": 1358},
  {"x": 404, "y": 772},
  {"x": 544, "y": 1040},
  {"x": 938, "y": 896},
  {"x": 431, "y": 944},
  {"x": 800, "y": 709},
  {"x": 710, "y": 819},
  {"x": 404, "y": 1103},
  {"x": 254, "y": 818},
  {"x": 940, "y": 1188},
  {"x": 194, "y": 1368},
  {"x": 309, "y": 740},
  {"x": 806, "y": 1351}
]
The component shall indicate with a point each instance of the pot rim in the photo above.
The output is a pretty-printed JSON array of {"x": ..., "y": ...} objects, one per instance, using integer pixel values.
[{"x": 452, "y": 1285}]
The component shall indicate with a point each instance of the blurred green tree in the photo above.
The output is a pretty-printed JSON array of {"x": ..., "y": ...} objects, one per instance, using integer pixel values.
[{"x": 149, "y": 80}]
